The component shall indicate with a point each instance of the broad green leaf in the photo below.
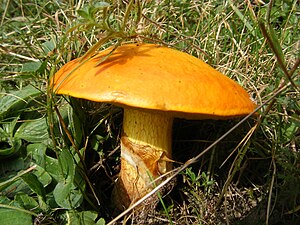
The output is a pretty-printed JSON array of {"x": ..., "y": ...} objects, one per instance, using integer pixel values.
[
  {"x": 9, "y": 144},
  {"x": 8, "y": 128},
  {"x": 37, "y": 152},
  {"x": 52, "y": 167},
  {"x": 14, "y": 185},
  {"x": 35, "y": 185},
  {"x": 67, "y": 164},
  {"x": 14, "y": 102},
  {"x": 4, "y": 200},
  {"x": 13, "y": 213},
  {"x": 66, "y": 196},
  {"x": 83, "y": 13},
  {"x": 42, "y": 175},
  {"x": 25, "y": 201},
  {"x": 291, "y": 128},
  {"x": 14, "y": 217},
  {"x": 61, "y": 194},
  {"x": 31, "y": 66},
  {"x": 9, "y": 147},
  {"x": 9, "y": 175},
  {"x": 65, "y": 192},
  {"x": 85, "y": 217},
  {"x": 101, "y": 221},
  {"x": 33, "y": 131},
  {"x": 11, "y": 166},
  {"x": 48, "y": 46}
]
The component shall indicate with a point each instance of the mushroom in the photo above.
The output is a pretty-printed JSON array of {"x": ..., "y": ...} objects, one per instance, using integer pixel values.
[{"x": 153, "y": 84}]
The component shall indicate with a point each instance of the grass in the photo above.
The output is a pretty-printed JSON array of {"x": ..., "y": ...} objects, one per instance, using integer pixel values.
[{"x": 58, "y": 167}]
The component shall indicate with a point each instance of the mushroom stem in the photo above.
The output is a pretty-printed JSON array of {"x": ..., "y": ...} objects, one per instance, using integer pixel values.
[{"x": 145, "y": 150}]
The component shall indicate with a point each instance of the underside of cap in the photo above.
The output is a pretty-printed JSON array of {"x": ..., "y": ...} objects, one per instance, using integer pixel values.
[{"x": 149, "y": 76}]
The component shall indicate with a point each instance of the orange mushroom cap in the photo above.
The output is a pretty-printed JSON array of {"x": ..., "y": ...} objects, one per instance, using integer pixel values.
[{"x": 150, "y": 76}]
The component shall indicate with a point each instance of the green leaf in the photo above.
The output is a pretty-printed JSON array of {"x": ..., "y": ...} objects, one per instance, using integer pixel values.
[
  {"x": 42, "y": 175},
  {"x": 83, "y": 13},
  {"x": 37, "y": 152},
  {"x": 66, "y": 196},
  {"x": 12, "y": 165},
  {"x": 31, "y": 66},
  {"x": 8, "y": 128},
  {"x": 33, "y": 131},
  {"x": 45, "y": 165},
  {"x": 15, "y": 102},
  {"x": 68, "y": 166},
  {"x": 290, "y": 129},
  {"x": 9, "y": 146},
  {"x": 4, "y": 200},
  {"x": 35, "y": 185},
  {"x": 65, "y": 192},
  {"x": 9, "y": 177},
  {"x": 85, "y": 217},
  {"x": 52, "y": 167},
  {"x": 14, "y": 217},
  {"x": 61, "y": 194},
  {"x": 48, "y": 46},
  {"x": 25, "y": 201},
  {"x": 101, "y": 221}
]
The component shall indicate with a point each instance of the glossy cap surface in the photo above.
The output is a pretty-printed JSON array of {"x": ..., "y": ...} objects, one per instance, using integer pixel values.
[{"x": 149, "y": 76}]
